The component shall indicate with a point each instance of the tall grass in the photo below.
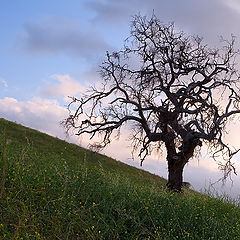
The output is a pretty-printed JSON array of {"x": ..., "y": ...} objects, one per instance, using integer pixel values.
[{"x": 56, "y": 190}]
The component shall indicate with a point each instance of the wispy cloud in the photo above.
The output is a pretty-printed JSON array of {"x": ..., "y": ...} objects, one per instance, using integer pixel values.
[
  {"x": 4, "y": 82},
  {"x": 62, "y": 87},
  {"x": 233, "y": 4},
  {"x": 57, "y": 35}
]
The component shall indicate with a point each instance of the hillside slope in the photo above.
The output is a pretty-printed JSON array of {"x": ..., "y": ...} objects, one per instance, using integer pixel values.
[{"x": 50, "y": 189}]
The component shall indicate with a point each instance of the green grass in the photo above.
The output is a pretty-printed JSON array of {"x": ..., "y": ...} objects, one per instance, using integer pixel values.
[{"x": 50, "y": 189}]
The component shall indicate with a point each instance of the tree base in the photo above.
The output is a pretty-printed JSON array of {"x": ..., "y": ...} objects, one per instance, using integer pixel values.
[{"x": 175, "y": 176}]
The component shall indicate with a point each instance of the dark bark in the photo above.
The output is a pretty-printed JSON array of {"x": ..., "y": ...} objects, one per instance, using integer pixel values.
[
  {"x": 177, "y": 161},
  {"x": 175, "y": 175}
]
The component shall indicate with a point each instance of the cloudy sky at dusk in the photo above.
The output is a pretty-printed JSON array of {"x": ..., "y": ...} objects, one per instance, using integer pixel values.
[{"x": 51, "y": 49}]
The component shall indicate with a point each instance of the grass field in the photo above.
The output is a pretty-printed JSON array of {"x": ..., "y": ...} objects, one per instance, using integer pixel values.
[{"x": 50, "y": 189}]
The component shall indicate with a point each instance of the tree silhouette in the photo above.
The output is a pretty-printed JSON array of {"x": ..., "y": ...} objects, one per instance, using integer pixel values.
[{"x": 175, "y": 92}]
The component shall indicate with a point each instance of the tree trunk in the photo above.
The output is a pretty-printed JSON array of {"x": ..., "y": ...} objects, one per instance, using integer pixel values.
[{"x": 175, "y": 174}]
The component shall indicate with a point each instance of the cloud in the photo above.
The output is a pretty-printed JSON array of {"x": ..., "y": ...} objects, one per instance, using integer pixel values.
[
  {"x": 65, "y": 86},
  {"x": 233, "y": 4},
  {"x": 113, "y": 11},
  {"x": 42, "y": 114},
  {"x": 4, "y": 82},
  {"x": 202, "y": 179},
  {"x": 209, "y": 19},
  {"x": 58, "y": 35}
]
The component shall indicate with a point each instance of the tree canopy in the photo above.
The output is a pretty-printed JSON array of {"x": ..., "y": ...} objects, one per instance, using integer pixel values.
[{"x": 175, "y": 92}]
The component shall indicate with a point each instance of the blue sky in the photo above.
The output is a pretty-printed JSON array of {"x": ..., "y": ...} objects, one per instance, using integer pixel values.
[
  {"x": 52, "y": 49},
  {"x": 25, "y": 61}
]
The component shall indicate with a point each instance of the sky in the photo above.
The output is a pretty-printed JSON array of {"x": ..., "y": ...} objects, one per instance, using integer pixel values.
[{"x": 51, "y": 49}]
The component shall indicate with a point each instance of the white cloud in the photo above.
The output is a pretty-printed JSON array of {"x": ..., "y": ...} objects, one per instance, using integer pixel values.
[
  {"x": 42, "y": 114},
  {"x": 65, "y": 86}
]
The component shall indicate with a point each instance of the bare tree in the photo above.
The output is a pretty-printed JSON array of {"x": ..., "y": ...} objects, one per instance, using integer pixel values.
[{"x": 175, "y": 92}]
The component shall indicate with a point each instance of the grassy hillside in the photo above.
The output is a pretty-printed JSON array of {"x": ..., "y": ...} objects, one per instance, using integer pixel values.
[{"x": 50, "y": 189}]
